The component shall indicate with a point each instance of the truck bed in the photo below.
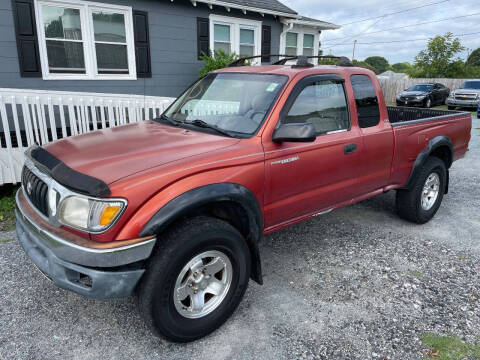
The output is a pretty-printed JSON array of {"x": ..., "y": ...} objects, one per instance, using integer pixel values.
[{"x": 400, "y": 115}]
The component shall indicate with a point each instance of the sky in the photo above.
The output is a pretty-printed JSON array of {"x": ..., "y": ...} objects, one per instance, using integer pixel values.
[{"x": 341, "y": 12}]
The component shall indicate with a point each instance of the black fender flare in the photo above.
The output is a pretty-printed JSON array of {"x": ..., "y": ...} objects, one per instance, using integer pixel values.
[
  {"x": 432, "y": 145},
  {"x": 204, "y": 195}
]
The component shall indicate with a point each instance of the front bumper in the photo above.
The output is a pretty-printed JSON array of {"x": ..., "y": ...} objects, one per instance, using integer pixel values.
[
  {"x": 415, "y": 102},
  {"x": 462, "y": 103},
  {"x": 80, "y": 268}
]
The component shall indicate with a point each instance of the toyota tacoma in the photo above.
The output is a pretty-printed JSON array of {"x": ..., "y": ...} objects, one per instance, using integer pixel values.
[{"x": 173, "y": 209}]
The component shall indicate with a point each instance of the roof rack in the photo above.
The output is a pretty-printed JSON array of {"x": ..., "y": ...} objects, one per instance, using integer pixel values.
[
  {"x": 301, "y": 60},
  {"x": 241, "y": 61},
  {"x": 342, "y": 60}
]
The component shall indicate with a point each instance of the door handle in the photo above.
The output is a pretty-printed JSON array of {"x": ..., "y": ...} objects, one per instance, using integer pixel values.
[{"x": 350, "y": 149}]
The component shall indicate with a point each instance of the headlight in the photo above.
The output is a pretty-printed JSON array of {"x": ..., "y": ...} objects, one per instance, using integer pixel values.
[
  {"x": 92, "y": 215},
  {"x": 399, "y": 97}
]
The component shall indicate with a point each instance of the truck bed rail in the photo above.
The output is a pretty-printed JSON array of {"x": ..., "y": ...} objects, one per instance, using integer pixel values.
[{"x": 398, "y": 115}]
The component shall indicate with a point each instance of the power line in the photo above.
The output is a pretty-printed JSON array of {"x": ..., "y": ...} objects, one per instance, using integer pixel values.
[
  {"x": 363, "y": 32},
  {"x": 399, "y": 41},
  {"x": 396, "y": 12},
  {"x": 407, "y": 26}
]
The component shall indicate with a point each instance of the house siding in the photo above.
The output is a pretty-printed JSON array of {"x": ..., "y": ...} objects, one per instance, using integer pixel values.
[{"x": 173, "y": 46}]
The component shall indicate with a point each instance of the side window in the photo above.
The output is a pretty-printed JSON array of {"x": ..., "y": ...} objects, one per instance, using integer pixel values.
[
  {"x": 366, "y": 100},
  {"x": 323, "y": 104}
]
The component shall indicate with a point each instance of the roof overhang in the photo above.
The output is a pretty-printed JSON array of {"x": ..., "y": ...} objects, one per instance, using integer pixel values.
[
  {"x": 286, "y": 18},
  {"x": 317, "y": 24},
  {"x": 228, "y": 6}
]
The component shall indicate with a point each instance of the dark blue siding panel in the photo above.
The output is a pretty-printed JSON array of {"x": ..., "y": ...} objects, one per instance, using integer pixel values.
[{"x": 173, "y": 43}]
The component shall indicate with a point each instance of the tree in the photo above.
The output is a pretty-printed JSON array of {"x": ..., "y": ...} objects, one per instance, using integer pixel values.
[
  {"x": 439, "y": 59},
  {"x": 401, "y": 67},
  {"x": 474, "y": 58},
  {"x": 378, "y": 62},
  {"x": 365, "y": 65}
]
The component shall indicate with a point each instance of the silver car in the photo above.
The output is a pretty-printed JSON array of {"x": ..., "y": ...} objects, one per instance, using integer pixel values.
[{"x": 468, "y": 95}]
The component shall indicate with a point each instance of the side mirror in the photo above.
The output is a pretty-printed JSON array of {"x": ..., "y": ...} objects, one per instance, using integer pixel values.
[{"x": 296, "y": 132}]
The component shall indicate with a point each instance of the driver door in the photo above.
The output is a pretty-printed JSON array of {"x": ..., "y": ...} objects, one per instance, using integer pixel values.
[{"x": 305, "y": 178}]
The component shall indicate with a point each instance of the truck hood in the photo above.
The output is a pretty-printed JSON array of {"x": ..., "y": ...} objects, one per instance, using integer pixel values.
[
  {"x": 467, "y": 91},
  {"x": 115, "y": 153}
]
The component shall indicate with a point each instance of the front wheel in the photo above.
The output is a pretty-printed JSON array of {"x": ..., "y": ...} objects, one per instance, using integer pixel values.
[
  {"x": 428, "y": 103},
  {"x": 195, "y": 279},
  {"x": 421, "y": 202}
]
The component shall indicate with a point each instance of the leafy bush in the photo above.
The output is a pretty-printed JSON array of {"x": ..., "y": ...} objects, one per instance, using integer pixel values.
[
  {"x": 401, "y": 67},
  {"x": 217, "y": 61},
  {"x": 365, "y": 65},
  {"x": 378, "y": 62}
]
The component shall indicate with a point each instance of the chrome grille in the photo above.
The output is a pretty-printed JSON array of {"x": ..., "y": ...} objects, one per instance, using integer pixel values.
[
  {"x": 35, "y": 190},
  {"x": 465, "y": 96}
]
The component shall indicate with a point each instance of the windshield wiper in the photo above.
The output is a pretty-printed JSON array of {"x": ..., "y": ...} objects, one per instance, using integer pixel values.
[
  {"x": 171, "y": 121},
  {"x": 203, "y": 124}
]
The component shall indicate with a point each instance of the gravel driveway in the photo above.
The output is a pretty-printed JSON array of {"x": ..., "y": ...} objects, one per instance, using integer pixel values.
[{"x": 357, "y": 283}]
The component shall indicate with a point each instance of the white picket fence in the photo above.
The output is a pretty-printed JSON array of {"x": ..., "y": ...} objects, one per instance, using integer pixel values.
[{"x": 38, "y": 116}]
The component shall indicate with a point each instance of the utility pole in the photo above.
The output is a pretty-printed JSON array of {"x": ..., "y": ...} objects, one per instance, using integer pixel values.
[{"x": 353, "y": 54}]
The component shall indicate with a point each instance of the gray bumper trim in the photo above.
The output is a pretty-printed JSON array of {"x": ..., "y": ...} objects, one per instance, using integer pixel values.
[
  {"x": 102, "y": 284},
  {"x": 455, "y": 102},
  {"x": 81, "y": 255}
]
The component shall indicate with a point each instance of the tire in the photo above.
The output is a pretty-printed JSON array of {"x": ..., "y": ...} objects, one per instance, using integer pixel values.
[
  {"x": 452, "y": 107},
  {"x": 180, "y": 322},
  {"x": 409, "y": 202},
  {"x": 428, "y": 103}
]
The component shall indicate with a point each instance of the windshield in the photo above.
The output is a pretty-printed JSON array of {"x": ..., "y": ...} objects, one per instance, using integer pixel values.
[
  {"x": 471, "y": 85},
  {"x": 420, "y": 88},
  {"x": 233, "y": 102}
]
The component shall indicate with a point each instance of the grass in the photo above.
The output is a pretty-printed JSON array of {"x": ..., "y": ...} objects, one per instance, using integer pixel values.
[
  {"x": 449, "y": 348},
  {"x": 416, "y": 273},
  {"x": 7, "y": 207}
]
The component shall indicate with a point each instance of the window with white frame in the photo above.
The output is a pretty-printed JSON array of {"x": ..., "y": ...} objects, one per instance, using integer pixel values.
[
  {"x": 85, "y": 40},
  {"x": 291, "y": 41},
  {"x": 222, "y": 38},
  {"x": 234, "y": 35},
  {"x": 300, "y": 41},
  {"x": 308, "y": 44}
]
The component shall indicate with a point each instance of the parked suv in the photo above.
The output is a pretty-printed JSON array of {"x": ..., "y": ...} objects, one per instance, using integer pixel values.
[
  {"x": 467, "y": 95},
  {"x": 424, "y": 95},
  {"x": 174, "y": 208}
]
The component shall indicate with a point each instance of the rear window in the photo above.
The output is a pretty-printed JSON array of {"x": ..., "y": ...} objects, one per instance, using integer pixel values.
[{"x": 366, "y": 100}]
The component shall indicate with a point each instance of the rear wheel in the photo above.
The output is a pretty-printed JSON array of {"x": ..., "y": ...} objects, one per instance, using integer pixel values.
[
  {"x": 420, "y": 203},
  {"x": 195, "y": 279}
]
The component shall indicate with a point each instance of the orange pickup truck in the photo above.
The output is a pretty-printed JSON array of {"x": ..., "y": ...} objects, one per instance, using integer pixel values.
[{"x": 174, "y": 208}]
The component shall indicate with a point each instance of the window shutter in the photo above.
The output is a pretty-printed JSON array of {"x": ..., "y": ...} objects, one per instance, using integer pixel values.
[
  {"x": 27, "y": 40},
  {"x": 266, "y": 42},
  {"x": 203, "y": 37},
  {"x": 142, "y": 44}
]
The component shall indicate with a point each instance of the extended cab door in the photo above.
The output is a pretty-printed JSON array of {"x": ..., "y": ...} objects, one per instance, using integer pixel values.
[
  {"x": 376, "y": 131},
  {"x": 305, "y": 178}
]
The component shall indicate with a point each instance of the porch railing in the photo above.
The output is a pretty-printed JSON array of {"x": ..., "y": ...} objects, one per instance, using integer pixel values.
[{"x": 38, "y": 116}]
